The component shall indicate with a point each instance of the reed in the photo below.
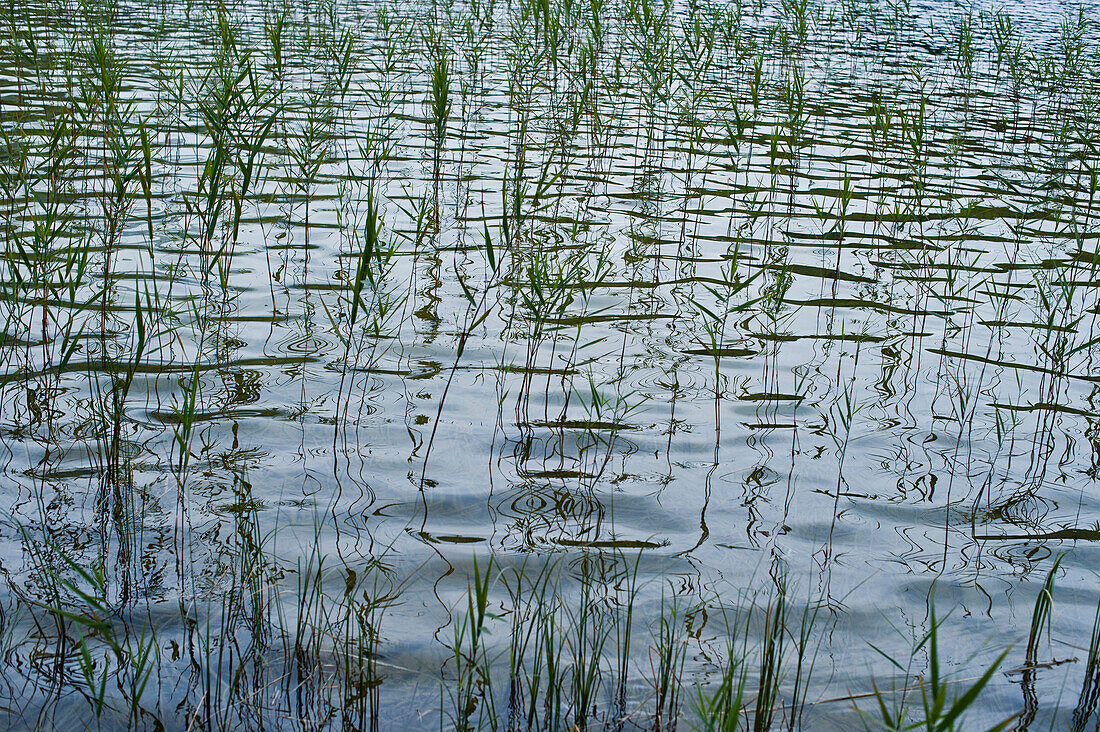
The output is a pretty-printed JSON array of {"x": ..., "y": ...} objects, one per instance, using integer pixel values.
[{"x": 265, "y": 270}]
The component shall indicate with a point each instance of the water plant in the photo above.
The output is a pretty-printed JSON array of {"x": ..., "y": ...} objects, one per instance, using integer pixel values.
[{"x": 304, "y": 305}]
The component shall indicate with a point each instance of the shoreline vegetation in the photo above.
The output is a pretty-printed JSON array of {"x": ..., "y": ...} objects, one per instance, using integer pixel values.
[{"x": 815, "y": 281}]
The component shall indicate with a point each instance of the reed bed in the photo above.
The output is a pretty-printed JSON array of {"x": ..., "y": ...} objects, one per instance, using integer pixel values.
[{"x": 510, "y": 364}]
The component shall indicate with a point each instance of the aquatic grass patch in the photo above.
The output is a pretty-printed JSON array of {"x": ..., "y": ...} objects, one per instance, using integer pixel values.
[{"x": 304, "y": 305}]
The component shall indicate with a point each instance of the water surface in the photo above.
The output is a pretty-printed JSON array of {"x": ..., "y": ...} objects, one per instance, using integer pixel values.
[{"x": 767, "y": 298}]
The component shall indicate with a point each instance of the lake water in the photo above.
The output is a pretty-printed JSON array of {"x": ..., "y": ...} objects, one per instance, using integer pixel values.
[{"x": 772, "y": 297}]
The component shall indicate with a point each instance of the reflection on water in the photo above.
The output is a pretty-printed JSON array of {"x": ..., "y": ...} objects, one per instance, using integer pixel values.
[{"x": 307, "y": 306}]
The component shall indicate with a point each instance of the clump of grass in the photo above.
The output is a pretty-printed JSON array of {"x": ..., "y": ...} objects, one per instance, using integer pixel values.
[
  {"x": 569, "y": 650},
  {"x": 943, "y": 704},
  {"x": 470, "y": 690}
]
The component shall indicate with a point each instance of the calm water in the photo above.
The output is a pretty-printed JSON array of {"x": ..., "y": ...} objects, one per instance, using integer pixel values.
[{"x": 757, "y": 305}]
